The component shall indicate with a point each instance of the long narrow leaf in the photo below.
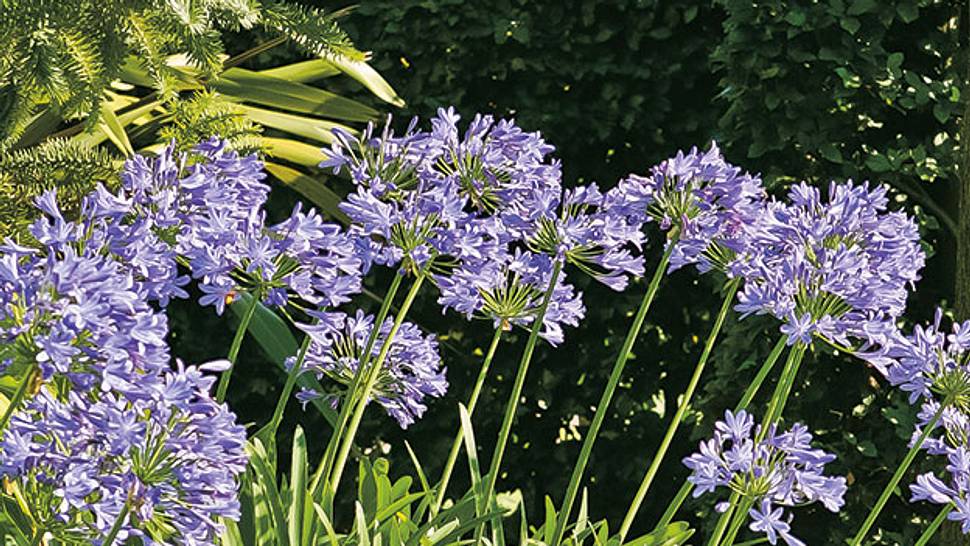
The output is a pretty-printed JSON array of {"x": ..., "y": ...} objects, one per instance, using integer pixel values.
[
  {"x": 293, "y": 151},
  {"x": 265, "y": 479},
  {"x": 311, "y": 128},
  {"x": 304, "y": 71},
  {"x": 369, "y": 78},
  {"x": 298, "y": 485},
  {"x": 260, "y": 88}
]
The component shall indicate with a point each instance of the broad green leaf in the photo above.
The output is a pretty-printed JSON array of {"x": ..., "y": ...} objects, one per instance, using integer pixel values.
[
  {"x": 259, "y": 88},
  {"x": 298, "y": 485},
  {"x": 331, "y": 533},
  {"x": 264, "y": 477},
  {"x": 549, "y": 527},
  {"x": 293, "y": 151},
  {"x": 474, "y": 472},
  {"x": 304, "y": 71},
  {"x": 114, "y": 130},
  {"x": 312, "y": 188},
  {"x": 369, "y": 78},
  {"x": 360, "y": 526},
  {"x": 675, "y": 534},
  {"x": 311, "y": 128}
]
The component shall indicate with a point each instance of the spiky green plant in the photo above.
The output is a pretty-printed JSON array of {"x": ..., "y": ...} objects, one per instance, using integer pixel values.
[{"x": 63, "y": 54}]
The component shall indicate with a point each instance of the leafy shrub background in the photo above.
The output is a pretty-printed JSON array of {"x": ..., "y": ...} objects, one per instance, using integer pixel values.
[{"x": 795, "y": 90}]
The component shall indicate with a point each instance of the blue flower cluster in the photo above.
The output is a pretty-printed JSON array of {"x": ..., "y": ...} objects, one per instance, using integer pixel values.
[
  {"x": 411, "y": 371},
  {"x": 111, "y": 432},
  {"x": 839, "y": 268},
  {"x": 770, "y": 470},
  {"x": 933, "y": 367}
]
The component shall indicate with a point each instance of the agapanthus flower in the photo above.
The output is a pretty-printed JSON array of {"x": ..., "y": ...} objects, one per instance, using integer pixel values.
[
  {"x": 410, "y": 374},
  {"x": 839, "y": 268},
  {"x": 579, "y": 229},
  {"x": 928, "y": 361},
  {"x": 704, "y": 199},
  {"x": 950, "y": 440},
  {"x": 73, "y": 312},
  {"x": 771, "y": 472},
  {"x": 493, "y": 164},
  {"x": 510, "y": 292},
  {"x": 211, "y": 210},
  {"x": 170, "y": 457}
]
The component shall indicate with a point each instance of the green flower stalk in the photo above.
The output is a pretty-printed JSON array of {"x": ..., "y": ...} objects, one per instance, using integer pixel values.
[
  {"x": 745, "y": 401},
  {"x": 371, "y": 375},
  {"x": 775, "y": 408},
  {"x": 732, "y": 288},
  {"x": 513, "y": 403},
  {"x": 456, "y": 444},
  {"x": 935, "y": 525},
  {"x": 898, "y": 475},
  {"x": 326, "y": 463},
  {"x": 234, "y": 348},
  {"x": 603, "y": 406}
]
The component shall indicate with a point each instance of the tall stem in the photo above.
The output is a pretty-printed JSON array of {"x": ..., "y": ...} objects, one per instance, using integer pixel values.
[
  {"x": 116, "y": 528},
  {"x": 292, "y": 376},
  {"x": 18, "y": 397},
  {"x": 456, "y": 444},
  {"x": 346, "y": 407},
  {"x": 746, "y": 399},
  {"x": 513, "y": 403},
  {"x": 783, "y": 389},
  {"x": 931, "y": 530},
  {"x": 722, "y": 522},
  {"x": 373, "y": 373},
  {"x": 732, "y": 289},
  {"x": 740, "y": 516},
  {"x": 777, "y": 403},
  {"x": 234, "y": 348},
  {"x": 604, "y": 404},
  {"x": 903, "y": 467}
]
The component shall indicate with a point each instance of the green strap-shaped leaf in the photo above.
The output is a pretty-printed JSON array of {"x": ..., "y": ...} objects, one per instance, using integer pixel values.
[
  {"x": 276, "y": 340},
  {"x": 259, "y": 88},
  {"x": 369, "y": 78},
  {"x": 298, "y": 485},
  {"x": 303, "y": 71}
]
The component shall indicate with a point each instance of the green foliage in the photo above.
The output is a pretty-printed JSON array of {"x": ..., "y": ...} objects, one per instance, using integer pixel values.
[
  {"x": 845, "y": 89},
  {"x": 67, "y": 166},
  {"x": 205, "y": 114},
  {"x": 615, "y": 85},
  {"x": 63, "y": 54}
]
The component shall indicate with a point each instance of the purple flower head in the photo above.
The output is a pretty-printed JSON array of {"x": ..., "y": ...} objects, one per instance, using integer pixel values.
[
  {"x": 444, "y": 196},
  {"x": 81, "y": 317},
  {"x": 410, "y": 373},
  {"x": 706, "y": 201},
  {"x": 174, "y": 462},
  {"x": 579, "y": 229},
  {"x": 510, "y": 291},
  {"x": 772, "y": 471},
  {"x": 838, "y": 268},
  {"x": 928, "y": 361},
  {"x": 951, "y": 444}
]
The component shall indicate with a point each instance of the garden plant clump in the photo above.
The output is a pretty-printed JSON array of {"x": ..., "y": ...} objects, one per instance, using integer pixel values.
[{"x": 110, "y": 436}]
